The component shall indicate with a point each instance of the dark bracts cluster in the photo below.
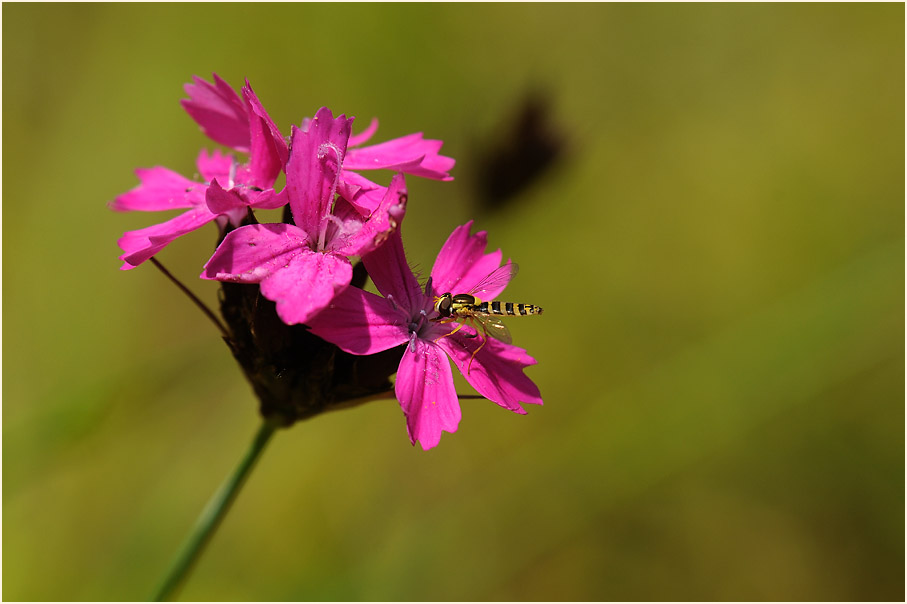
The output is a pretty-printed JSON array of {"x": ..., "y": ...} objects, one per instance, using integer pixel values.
[{"x": 294, "y": 373}]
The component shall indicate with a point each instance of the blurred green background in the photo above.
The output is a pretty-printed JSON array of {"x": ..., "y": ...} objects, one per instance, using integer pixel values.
[{"x": 719, "y": 248}]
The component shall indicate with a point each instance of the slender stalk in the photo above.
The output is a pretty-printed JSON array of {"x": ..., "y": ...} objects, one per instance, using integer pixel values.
[
  {"x": 212, "y": 515},
  {"x": 193, "y": 297}
]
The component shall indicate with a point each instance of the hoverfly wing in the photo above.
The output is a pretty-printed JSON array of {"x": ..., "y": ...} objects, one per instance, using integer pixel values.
[
  {"x": 495, "y": 280},
  {"x": 495, "y": 328}
]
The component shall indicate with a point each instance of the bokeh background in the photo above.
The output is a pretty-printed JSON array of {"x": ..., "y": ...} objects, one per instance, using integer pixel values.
[{"x": 708, "y": 200}]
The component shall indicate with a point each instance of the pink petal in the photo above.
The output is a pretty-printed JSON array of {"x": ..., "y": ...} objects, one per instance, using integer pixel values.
[
  {"x": 215, "y": 165},
  {"x": 269, "y": 150},
  {"x": 425, "y": 389},
  {"x": 362, "y": 137},
  {"x": 462, "y": 262},
  {"x": 409, "y": 154},
  {"x": 220, "y": 201},
  {"x": 265, "y": 200},
  {"x": 379, "y": 226},
  {"x": 496, "y": 371},
  {"x": 254, "y": 252},
  {"x": 235, "y": 202},
  {"x": 219, "y": 111},
  {"x": 140, "y": 245},
  {"x": 307, "y": 284},
  {"x": 160, "y": 189},
  {"x": 312, "y": 172},
  {"x": 364, "y": 194},
  {"x": 392, "y": 275},
  {"x": 360, "y": 322}
]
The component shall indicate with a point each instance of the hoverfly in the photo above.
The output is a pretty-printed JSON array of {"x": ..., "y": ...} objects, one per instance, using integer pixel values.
[{"x": 468, "y": 309}]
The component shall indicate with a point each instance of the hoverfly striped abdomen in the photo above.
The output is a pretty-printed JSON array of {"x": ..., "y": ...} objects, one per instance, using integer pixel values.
[{"x": 496, "y": 307}]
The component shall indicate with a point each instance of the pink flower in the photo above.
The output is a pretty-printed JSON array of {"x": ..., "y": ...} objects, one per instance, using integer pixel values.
[
  {"x": 363, "y": 323},
  {"x": 302, "y": 267},
  {"x": 241, "y": 124}
]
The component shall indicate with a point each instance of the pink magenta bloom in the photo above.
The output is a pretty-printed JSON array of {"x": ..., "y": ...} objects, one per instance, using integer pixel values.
[
  {"x": 363, "y": 323},
  {"x": 303, "y": 267},
  {"x": 239, "y": 123}
]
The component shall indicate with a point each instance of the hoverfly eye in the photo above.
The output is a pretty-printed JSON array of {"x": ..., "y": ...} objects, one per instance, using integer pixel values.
[{"x": 443, "y": 305}]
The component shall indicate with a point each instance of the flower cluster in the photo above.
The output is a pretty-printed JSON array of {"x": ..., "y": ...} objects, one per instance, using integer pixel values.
[{"x": 331, "y": 334}]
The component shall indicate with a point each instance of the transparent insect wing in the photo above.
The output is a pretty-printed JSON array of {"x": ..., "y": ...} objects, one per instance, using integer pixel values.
[
  {"x": 495, "y": 280},
  {"x": 494, "y": 327}
]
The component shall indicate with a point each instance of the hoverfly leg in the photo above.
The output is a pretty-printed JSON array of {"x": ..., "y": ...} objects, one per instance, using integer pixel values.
[
  {"x": 482, "y": 345},
  {"x": 450, "y": 333}
]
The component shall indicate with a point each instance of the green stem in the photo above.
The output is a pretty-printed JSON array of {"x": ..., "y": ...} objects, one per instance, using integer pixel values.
[
  {"x": 195, "y": 299},
  {"x": 213, "y": 514}
]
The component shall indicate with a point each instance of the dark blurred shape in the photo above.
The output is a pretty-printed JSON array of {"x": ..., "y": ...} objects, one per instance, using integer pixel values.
[{"x": 525, "y": 150}]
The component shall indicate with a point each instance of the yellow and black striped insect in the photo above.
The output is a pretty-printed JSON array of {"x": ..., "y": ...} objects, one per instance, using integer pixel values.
[{"x": 468, "y": 309}]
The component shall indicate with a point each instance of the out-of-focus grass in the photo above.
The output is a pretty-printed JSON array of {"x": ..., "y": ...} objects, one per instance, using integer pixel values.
[{"x": 720, "y": 255}]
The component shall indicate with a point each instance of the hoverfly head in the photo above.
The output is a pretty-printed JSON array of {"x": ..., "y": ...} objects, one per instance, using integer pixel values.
[{"x": 442, "y": 305}]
